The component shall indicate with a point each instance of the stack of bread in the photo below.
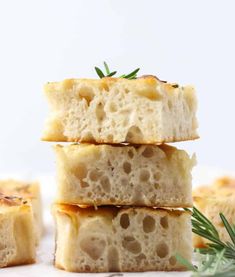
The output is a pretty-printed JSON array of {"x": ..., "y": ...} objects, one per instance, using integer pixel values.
[{"x": 119, "y": 185}]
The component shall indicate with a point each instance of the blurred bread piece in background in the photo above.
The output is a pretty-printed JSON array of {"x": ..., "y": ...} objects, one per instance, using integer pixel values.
[
  {"x": 219, "y": 197},
  {"x": 17, "y": 231},
  {"x": 29, "y": 191}
]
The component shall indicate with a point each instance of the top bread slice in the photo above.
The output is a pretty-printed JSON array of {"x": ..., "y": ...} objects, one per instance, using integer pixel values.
[
  {"x": 31, "y": 193},
  {"x": 212, "y": 200},
  {"x": 117, "y": 110},
  {"x": 17, "y": 231}
]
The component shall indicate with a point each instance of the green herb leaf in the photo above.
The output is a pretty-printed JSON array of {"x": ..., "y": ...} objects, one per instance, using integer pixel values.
[
  {"x": 210, "y": 265},
  {"x": 112, "y": 73},
  {"x": 130, "y": 76},
  {"x": 203, "y": 227},
  {"x": 106, "y": 68},
  {"x": 185, "y": 262},
  {"x": 228, "y": 228},
  {"x": 218, "y": 259},
  {"x": 99, "y": 72}
]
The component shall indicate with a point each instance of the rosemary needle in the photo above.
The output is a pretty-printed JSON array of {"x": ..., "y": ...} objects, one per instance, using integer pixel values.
[
  {"x": 132, "y": 75},
  {"x": 106, "y": 68},
  {"x": 99, "y": 72},
  {"x": 108, "y": 73}
]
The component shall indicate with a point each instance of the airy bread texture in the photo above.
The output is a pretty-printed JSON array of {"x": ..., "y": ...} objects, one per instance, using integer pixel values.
[
  {"x": 117, "y": 110},
  {"x": 215, "y": 199},
  {"x": 31, "y": 193},
  {"x": 146, "y": 175},
  {"x": 17, "y": 233},
  {"x": 112, "y": 239}
]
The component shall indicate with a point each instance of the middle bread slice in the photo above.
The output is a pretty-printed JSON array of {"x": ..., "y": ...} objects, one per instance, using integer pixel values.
[{"x": 145, "y": 175}]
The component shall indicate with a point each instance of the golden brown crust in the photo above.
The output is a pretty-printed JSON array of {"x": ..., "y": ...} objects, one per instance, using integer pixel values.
[
  {"x": 225, "y": 182},
  {"x": 14, "y": 202},
  {"x": 221, "y": 187},
  {"x": 11, "y": 200},
  {"x": 79, "y": 140},
  {"x": 164, "y": 147},
  {"x": 148, "y": 80},
  {"x": 110, "y": 203},
  {"x": 25, "y": 262},
  {"x": 19, "y": 188},
  {"x": 73, "y": 209},
  {"x": 102, "y": 83}
]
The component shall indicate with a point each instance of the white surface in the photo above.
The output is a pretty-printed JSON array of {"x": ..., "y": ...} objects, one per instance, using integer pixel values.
[
  {"x": 183, "y": 41},
  {"x": 44, "y": 265}
]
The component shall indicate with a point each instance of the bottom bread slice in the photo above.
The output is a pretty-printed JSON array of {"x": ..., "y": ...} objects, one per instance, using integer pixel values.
[
  {"x": 112, "y": 239},
  {"x": 17, "y": 232}
]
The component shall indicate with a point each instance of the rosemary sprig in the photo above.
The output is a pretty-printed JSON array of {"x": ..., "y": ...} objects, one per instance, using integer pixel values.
[
  {"x": 218, "y": 259},
  {"x": 210, "y": 265},
  {"x": 108, "y": 73},
  {"x": 203, "y": 227}
]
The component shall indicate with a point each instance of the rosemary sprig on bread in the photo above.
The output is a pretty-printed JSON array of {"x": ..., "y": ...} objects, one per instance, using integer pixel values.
[{"x": 108, "y": 73}]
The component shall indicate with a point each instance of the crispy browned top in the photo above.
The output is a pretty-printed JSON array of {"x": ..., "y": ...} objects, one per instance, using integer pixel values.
[
  {"x": 221, "y": 189},
  {"x": 73, "y": 209},
  {"x": 18, "y": 188},
  {"x": 6, "y": 200}
]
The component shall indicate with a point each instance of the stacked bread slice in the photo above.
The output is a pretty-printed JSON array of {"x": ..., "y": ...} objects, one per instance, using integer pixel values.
[{"x": 120, "y": 187}]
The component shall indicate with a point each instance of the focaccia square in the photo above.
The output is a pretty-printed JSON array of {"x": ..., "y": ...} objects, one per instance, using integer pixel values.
[
  {"x": 116, "y": 110},
  {"x": 29, "y": 191},
  {"x": 17, "y": 231},
  {"x": 144, "y": 175},
  {"x": 112, "y": 239},
  {"x": 211, "y": 200}
]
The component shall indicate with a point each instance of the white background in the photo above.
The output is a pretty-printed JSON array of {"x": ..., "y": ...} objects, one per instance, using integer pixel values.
[{"x": 189, "y": 42}]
